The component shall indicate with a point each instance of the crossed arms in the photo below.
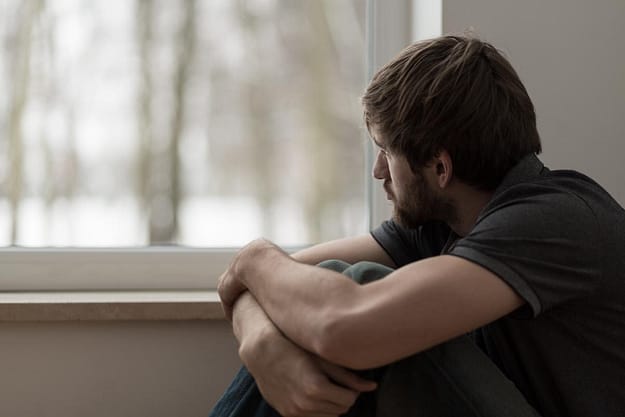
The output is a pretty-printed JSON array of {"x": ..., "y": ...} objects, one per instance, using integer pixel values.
[{"x": 271, "y": 295}]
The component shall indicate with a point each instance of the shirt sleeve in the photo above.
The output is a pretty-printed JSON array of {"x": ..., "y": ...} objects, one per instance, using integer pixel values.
[
  {"x": 543, "y": 242},
  {"x": 405, "y": 246}
]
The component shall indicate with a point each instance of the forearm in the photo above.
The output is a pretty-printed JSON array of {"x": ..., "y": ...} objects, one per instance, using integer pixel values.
[
  {"x": 276, "y": 280},
  {"x": 251, "y": 326},
  {"x": 350, "y": 325},
  {"x": 249, "y": 316},
  {"x": 350, "y": 250},
  {"x": 276, "y": 287}
]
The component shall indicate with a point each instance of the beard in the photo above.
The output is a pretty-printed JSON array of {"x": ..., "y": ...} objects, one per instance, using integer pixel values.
[{"x": 419, "y": 204}]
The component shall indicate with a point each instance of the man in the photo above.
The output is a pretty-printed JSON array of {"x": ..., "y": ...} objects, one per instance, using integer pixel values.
[{"x": 484, "y": 240}]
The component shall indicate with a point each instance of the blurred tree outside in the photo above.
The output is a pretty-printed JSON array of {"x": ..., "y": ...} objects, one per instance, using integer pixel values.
[{"x": 202, "y": 123}]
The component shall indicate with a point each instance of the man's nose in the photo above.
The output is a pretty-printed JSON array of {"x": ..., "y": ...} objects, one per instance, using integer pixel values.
[{"x": 380, "y": 167}]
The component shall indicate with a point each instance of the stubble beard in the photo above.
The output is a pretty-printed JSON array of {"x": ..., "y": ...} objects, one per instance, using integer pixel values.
[{"x": 421, "y": 206}]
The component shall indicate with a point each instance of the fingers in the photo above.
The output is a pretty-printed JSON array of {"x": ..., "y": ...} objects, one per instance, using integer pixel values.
[
  {"x": 229, "y": 290},
  {"x": 228, "y": 311},
  {"x": 224, "y": 296},
  {"x": 347, "y": 378},
  {"x": 299, "y": 384},
  {"x": 316, "y": 396},
  {"x": 333, "y": 391},
  {"x": 334, "y": 398}
]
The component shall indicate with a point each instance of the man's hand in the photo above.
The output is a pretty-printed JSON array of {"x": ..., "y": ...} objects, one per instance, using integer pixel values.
[
  {"x": 299, "y": 384},
  {"x": 229, "y": 288},
  {"x": 230, "y": 284}
]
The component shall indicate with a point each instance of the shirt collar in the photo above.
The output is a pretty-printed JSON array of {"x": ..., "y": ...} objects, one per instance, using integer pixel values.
[{"x": 529, "y": 167}]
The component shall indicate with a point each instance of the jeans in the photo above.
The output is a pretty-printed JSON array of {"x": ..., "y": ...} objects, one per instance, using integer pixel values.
[{"x": 453, "y": 379}]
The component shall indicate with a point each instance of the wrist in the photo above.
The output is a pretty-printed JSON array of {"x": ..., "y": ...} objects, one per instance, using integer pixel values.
[
  {"x": 257, "y": 344},
  {"x": 258, "y": 254}
]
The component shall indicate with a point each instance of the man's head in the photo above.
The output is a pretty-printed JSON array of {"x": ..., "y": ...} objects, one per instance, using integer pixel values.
[
  {"x": 455, "y": 94},
  {"x": 415, "y": 198}
]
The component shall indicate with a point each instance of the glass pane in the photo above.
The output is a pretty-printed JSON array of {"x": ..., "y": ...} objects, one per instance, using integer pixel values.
[{"x": 201, "y": 123}]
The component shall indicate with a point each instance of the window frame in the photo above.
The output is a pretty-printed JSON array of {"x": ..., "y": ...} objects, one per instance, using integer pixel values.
[{"x": 181, "y": 268}]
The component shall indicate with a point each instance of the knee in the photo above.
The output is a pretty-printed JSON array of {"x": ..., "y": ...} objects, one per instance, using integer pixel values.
[
  {"x": 361, "y": 272},
  {"x": 335, "y": 265},
  {"x": 365, "y": 272}
]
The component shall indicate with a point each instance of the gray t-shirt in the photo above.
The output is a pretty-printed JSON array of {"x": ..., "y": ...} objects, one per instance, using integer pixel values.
[{"x": 558, "y": 239}]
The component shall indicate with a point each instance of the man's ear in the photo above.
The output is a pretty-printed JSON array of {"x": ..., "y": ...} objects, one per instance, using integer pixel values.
[{"x": 444, "y": 168}]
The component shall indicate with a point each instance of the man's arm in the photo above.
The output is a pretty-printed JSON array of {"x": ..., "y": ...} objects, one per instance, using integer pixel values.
[
  {"x": 417, "y": 306},
  {"x": 271, "y": 358},
  {"x": 350, "y": 250},
  {"x": 294, "y": 381}
]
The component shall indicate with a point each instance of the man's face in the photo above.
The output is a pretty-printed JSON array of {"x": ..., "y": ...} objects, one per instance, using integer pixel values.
[{"x": 414, "y": 201}]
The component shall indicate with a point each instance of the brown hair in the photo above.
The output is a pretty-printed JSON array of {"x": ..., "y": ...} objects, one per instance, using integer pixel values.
[{"x": 459, "y": 94}]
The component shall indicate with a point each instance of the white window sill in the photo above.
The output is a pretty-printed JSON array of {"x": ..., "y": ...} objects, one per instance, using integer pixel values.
[
  {"x": 114, "y": 269},
  {"x": 109, "y": 305}
]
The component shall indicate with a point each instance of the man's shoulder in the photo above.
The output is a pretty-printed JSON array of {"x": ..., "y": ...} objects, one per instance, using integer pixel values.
[
  {"x": 530, "y": 181},
  {"x": 558, "y": 190},
  {"x": 553, "y": 195},
  {"x": 406, "y": 245}
]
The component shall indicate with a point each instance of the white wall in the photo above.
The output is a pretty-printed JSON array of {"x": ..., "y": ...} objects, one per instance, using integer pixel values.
[
  {"x": 571, "y": 56},
  {"x": 114, "y": 369}
]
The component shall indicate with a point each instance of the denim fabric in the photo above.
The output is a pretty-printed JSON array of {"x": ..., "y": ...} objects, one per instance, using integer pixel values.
[
  {"x": 453, "y": 379},
  {"x": 243, "y": 399}
]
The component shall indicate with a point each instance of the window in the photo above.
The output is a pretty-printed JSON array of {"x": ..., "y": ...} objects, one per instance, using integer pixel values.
[{"x": 194, "y": 124}]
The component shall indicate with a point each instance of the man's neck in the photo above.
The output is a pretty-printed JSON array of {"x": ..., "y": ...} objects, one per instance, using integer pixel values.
[{"x": 469, "y": 203}]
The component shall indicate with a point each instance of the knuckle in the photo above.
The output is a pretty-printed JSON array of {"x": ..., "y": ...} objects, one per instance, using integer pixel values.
[
  {"x": 317, "y": 387},
  {"x": 312, "y": 390},
  {"x": 295, "y": 409}
]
